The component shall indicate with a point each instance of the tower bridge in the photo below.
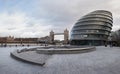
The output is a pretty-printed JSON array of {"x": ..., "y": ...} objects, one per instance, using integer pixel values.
[
  {"x": 65, "y": 33},
  {"x": 58, "y": 33}
]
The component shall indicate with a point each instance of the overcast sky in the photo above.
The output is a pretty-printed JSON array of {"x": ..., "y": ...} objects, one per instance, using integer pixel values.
[{"x": 36, "y": 18}]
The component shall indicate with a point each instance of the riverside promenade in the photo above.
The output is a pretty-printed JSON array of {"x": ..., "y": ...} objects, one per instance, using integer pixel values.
[{"x": 104, "y": 60}]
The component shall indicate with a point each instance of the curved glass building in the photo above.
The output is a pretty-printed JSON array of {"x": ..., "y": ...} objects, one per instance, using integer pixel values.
[{"x": 92, "y": 29}]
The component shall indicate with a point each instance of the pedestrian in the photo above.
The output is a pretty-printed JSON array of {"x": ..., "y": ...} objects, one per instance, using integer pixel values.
[{"x": 105, "y": 44}]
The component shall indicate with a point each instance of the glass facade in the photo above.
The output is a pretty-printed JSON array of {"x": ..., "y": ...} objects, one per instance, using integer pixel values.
[{"x": 92, "y": 29}]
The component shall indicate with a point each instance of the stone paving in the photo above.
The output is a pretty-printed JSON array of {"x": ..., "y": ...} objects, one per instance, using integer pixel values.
[
  {"x": 31, "y": 57},
  {"x": 40, "y": 56},
  {"x": 104, "y": 60}
]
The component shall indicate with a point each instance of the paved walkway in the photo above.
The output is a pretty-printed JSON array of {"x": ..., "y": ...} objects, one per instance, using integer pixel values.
[
  {"x": 31, "y": 57},
  {"x": 104, "y": 60}
]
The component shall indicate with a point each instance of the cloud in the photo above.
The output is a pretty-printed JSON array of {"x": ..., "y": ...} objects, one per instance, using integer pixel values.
[
  {"x": 16, "y": 24},
  {"x": 36, "y": 18},
  {"x": 67, "y": 12}
]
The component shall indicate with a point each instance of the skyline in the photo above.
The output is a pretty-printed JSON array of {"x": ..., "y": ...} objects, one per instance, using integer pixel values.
[{"x": 36, "y": 18}]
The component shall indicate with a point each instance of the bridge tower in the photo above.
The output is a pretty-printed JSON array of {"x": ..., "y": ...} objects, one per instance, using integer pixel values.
[
  {"x": 66, "y": 36},
  {"x": 51, "y": 37}
]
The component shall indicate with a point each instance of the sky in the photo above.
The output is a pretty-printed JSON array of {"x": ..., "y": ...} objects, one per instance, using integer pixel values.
[{"x": 36, "y": 18}]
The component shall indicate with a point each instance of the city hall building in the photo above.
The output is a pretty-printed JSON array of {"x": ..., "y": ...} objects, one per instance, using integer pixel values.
[{"x": 92, "y": 29}]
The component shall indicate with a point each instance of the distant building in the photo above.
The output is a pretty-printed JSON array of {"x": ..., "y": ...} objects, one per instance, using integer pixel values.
[
  {"x": 25, "y": 40},
  {"x": 92, "y": 29},
  {"x": 3, "y": 39},
  {"x": 6, "y": 39},
  {"x": 115, "y": 38},
  {"x": 11, "y": 39},
  {"x": 45, "y": 39}
]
